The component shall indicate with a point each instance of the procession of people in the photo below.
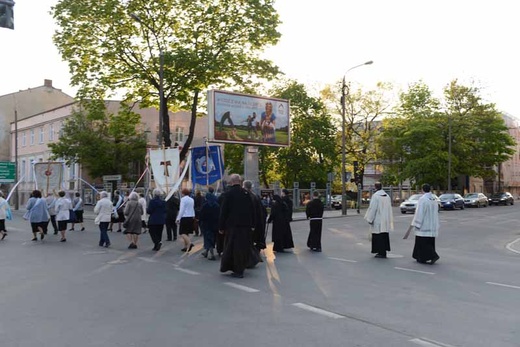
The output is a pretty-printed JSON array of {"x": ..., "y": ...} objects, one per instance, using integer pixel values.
[{"x": 233, "y": 225}]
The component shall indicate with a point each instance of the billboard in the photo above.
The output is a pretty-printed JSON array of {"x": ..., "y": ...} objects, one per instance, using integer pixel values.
[{"x": 248, "y": 119}]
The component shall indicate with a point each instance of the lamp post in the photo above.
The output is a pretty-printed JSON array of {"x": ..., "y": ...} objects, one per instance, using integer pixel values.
[
  {"x": 343, "y": 139},
  {"x": 449, "y": 154},
  {"x": 164, "y": 123}
]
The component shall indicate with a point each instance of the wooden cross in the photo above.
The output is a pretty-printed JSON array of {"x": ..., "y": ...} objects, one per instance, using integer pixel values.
[{"x": 166, "y": 164}]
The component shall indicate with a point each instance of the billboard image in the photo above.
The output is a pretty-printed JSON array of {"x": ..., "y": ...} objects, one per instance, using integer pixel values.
[{"x": 248, "y": 119}]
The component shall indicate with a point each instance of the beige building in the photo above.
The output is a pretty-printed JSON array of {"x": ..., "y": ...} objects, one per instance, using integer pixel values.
[{"x": 35, "y": 132}]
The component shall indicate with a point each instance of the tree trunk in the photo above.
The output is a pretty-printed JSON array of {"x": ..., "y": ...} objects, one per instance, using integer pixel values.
[{"x": 187, "y": 144}]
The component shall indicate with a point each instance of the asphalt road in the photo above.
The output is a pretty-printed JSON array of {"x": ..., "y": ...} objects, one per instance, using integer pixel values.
[{"x": 78, "y": 294}]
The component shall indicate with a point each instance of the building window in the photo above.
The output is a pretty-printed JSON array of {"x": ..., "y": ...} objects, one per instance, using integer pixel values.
[
  {"x": 24, "y": 139},
  {"x": 51, "y": 132},
  {"x": 41, "y": 134},
  {"x": 179, "y": 134},
  {"x": 31, "y": 137},
  {"x": 60, "y": 134},
  {"x": 31, "y": 170}
]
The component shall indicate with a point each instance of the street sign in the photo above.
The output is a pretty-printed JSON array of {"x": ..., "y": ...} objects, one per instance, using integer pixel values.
[
  {"x": 112, "y": 178},
  {"x": 7, "y": 172}
]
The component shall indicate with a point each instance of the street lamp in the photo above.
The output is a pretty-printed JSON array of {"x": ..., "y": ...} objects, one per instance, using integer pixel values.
[
  {"x": 164, "y": 122},
  {"x": 343, "y": 140}
]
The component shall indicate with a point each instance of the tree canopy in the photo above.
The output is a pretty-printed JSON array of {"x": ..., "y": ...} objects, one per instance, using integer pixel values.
[{"x": 119, "y": 45}]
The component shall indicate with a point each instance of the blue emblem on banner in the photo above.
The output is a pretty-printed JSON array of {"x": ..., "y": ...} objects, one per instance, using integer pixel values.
[{"x": 206, "y": 165}]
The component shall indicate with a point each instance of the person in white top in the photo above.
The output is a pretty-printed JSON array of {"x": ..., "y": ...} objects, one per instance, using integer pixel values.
[
  {"x": 426, "y": 223},
  {"x": 379, "y": 216},
  {"x": 77, "y": 208},
  {"x": 4, "y": 205},
  {"x": 144, "y": 216},
  {"x": 103, "y": 209},
  {"x": 62, "y": 208},
  {"x": 185, "y": 219}
]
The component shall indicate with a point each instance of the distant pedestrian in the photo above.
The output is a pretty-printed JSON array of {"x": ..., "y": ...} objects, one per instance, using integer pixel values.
[
  {"x": 144, "y": 216},
  {"x": 156, "y": 218},
  {"x": 281, "y": 234},
  {"x": 237, "y": 222},
  {"x": 314, "y": 212},
  {"x": 104, "y": 210},
  {"x": 185, "y": 219},
  {"x": 118, "y": 212},
  {"x": 63, "y": 207},
  {"x": 426, "y": 224},
  {"x": 51, "y": 204},
  {"x": 172, "y": 209},
  {"x": 4, "y": 207},
  {"x": 133, "y": 212},
  {"x": 198, "y": 201},
  {"x": 209, "y": 214},
  {"x": 37, "y": 214},
  {"x": 379, "y": 216},
  {"x": 77, "y": 208}
]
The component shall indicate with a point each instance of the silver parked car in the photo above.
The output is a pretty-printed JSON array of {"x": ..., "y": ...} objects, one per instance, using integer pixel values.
[
  {"x": 410, "y": 204},
  {"x": 476, "y": 200}
]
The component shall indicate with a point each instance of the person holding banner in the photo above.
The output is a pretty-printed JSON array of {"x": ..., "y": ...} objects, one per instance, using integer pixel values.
[
  {"x": 185, "y": 219},
  {"x": 37, "y": 214},
  {"x": 63, "y": 207},
  {"x": 118, "y": 216},
  {"x": 51, "y": 205},
  {"x": 77, "y": 208},
  {"x": 3, "y": 215}
]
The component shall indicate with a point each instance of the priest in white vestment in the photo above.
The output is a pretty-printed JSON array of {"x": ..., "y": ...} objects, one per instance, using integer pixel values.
[
  {"x": 380, "y": 217},
  {"x": 426, "y": 224}
]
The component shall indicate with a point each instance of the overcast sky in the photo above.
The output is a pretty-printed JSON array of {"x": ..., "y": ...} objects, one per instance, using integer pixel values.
[{"x": 408, "y": 40}]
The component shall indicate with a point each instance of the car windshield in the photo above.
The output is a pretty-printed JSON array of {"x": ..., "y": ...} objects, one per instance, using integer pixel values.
[
  {"x": 498, "y": 195},
  {"x": 447, "y": 196},
  {"x": 471, "y": 195},
  {"x": 414, "y": 197}
]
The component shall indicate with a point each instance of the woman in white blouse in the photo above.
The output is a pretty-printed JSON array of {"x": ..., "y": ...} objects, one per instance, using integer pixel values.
[{"x": 185, "y": 219}]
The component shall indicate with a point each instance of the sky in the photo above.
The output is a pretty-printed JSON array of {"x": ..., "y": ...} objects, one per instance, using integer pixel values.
[{"x": 473, "y": 41}]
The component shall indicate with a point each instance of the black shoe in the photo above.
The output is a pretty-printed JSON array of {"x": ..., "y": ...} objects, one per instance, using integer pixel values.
[
  {"x": 131, "y": 246},
  {"x": 100, "y": 245},
  {"x": 237, "y": 275},
  {"x": 119, "y": 230},
  {"x": 319, "y": 250},
  {"x": 107, "y": 245},
  {"x": 4, "y": 235},
  {"x": 34, "y": 239},
  {"x": 169, "y": 239},
  {"x": 380, "y": 256},
  {"x": 63, "y": 240},
  {"x": 184, "y": 249},
  {"x": 434, "y": 260},
  {"x": 159, "y": 246},
  {"x": 71, "y": 229},
  {"x": 42, "y": 236},
  {"x": 82, "y": 229},
  {"x": 109, "y": 229},
  {"x": 55, "y": 233},
  {"x": 191, "y": 246}
]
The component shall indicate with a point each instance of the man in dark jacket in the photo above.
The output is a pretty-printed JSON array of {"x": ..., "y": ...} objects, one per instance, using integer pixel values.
[
  {"x": 237, "y": 222},
  {"x": 314, "y": 212},
  {"x": 260, "y": 217},
  {"x": 172, "y": 209}
]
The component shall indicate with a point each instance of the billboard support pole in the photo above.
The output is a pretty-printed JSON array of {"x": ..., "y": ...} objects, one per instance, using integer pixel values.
[{"x": 251, "y": 165}]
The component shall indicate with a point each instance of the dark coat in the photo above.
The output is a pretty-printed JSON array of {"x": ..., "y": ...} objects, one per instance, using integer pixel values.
[
  {"x": 237, "y": 209},
  {"x": 288, "y": 202},
  {"x": 209, "y": 213},
  {"x": 156, "y": 210},
  {"x": 314, "y": 209},
  {"x": 282, "y": 234},
  {"x": 172, "y": 207}
]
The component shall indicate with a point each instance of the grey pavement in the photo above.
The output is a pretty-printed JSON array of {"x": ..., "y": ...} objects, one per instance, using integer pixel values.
[{"x": 78, "y": 294}]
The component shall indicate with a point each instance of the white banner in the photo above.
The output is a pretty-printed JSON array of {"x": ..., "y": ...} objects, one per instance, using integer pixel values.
[
  {"x": 165, "y": 167},
  {"x": 49, "y": 177}
]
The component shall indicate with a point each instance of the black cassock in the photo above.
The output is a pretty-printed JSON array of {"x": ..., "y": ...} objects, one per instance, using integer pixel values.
[
  {"x": 237, "y": 219},
  {"x": 314, "y": 212},
  {"x": 261, "y": 216},
  {"x": 282, "y": 234}
]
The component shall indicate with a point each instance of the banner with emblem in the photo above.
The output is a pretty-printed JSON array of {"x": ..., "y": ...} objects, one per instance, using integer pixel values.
[
  {"x": 48, "y": 177},
  {"x": 206, "y": 165},
  {"x": 165, "y": 167}
]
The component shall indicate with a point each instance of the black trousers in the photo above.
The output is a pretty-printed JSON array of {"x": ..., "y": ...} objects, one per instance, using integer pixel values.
[
  {"x": 156, "y": 233},
  {"x": 53, "y": 221},
  {"x": 171, "y": 229}
]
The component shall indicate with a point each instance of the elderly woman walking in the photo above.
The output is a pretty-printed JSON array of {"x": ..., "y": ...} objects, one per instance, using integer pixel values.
[
  {"x": 133, "y": 223},
  {"x": 62, "y": 207},
  {"x": 4, "y": 207},
  {"x": 37, "y": 214},
  {"x": 157, "y": 218},
  {"x": 103, "y": 209}
]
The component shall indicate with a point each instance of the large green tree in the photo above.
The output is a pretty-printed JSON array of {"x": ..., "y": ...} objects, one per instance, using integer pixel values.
[
  {"x": 119, "y": 45},
  {"x": 416, "y": 140},
  {"x": 104, "y": 143}
]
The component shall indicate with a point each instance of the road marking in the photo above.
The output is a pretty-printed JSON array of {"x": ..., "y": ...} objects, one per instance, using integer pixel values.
[
  {"x": 503, "y": 285},
  {"x": 241, "y": 287},
  {"x": 148, "y": 260},
  {"x": 429, "y": 343},
  {"x": 345, "y": 260},
  {"x": 411, "y": 270},
  {"x": 95, "y": 252},
  {"x": 393, "y": 256},
  {"x": 318, "y": 310},
  {"x": 510, "y": 246},
  {"x": 117, "y": 261},
  {"x": 187, "y": 271}
]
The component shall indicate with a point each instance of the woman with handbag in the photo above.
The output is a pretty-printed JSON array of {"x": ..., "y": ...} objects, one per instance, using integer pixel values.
[
  {"x": 132, "y": 224},
  {"x": 38, "y": 214}
]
